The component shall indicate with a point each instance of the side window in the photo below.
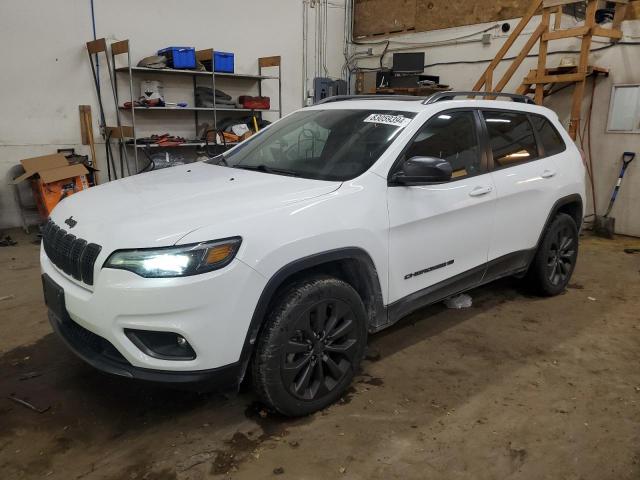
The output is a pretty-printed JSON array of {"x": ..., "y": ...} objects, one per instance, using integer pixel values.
[
  {"x": 511, "y": 138},
  {"x": 552, "y": 142},
  {"x": 452, "y": 137}
]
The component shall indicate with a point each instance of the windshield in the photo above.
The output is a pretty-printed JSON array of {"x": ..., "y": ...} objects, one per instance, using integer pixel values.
[{"x": 320, "y": 144}]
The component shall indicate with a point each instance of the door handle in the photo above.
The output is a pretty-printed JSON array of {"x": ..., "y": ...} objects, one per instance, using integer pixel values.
[
  {"x": 479, "y": 191},
  {"x": 548, "y": 174}
]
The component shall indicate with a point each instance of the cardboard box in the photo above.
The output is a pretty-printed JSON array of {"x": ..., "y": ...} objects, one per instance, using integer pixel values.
[{"x": 52, "y": 179}]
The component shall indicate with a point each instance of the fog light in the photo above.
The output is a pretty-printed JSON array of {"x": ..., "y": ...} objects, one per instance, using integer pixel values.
[{"x": 162, "y": 345}]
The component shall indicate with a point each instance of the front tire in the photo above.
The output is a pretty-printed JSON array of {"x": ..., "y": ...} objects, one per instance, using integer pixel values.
[
  {"x": 311, "y": 347},
  {"x": 555, "y": 260}
]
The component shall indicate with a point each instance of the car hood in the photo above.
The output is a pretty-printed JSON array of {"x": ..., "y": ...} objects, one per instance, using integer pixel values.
[{"x": 159, "y": 208}]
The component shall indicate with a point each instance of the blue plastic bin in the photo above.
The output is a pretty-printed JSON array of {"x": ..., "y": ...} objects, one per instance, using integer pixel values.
[
  {"x": 223, "y": 62},
  {"x": 180, "y": 57}
]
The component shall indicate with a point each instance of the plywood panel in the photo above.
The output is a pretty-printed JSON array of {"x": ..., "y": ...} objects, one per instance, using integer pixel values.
[
  {"x": 437, "y": 14},
  {"x": 633, "y": 11},
  {"x": 379, "y": 17}
]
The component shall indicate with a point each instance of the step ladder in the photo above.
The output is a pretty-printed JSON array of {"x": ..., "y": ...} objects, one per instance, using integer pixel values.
[{"x": 541, "y": 80}]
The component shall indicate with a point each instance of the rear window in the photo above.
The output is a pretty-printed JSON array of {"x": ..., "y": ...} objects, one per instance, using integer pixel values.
[
  {"x": 552, "y": 142},
  {"x": 511, "y": 138}
]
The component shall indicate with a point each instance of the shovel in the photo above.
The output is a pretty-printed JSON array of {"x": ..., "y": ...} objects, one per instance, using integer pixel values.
[{"x": 604, "y": 225}]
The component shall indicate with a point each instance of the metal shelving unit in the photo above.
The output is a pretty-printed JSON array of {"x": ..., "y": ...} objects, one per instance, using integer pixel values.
[
  {"x": 199, "y": 109},
  {"x": 121, "y": 49},
  {"x": 186, "y": 144},
  {"x": 176, "y": 71}
]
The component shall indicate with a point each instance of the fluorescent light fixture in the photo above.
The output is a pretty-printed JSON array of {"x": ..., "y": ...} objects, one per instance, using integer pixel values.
[
  {"x": 497, "y": 120},
  {"x": 521, "y": 154},
  {"x": 444, "y": 117}
]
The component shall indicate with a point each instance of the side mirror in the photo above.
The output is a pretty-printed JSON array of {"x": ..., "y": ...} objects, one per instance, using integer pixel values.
[{"x": 423, "y": 171}]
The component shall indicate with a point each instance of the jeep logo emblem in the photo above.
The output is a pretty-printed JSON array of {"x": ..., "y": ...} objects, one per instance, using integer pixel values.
[{"x": 71, "y": 222}]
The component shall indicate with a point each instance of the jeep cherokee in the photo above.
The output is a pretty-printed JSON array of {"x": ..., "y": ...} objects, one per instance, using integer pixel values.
[{"x": 280, "y": 256}]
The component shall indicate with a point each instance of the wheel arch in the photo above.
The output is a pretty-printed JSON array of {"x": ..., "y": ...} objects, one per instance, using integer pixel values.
[
  {"x": 351, "y": 264},
  {"x": 571, "y": 205}
]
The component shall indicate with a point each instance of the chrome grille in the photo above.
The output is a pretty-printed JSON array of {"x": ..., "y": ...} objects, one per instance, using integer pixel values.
[{"x": 74, "y": 256}]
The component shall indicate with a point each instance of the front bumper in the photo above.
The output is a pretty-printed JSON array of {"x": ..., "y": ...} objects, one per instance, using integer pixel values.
[
  {"x": 101, "y": 354},
  {"x": 211, "y": 311}
]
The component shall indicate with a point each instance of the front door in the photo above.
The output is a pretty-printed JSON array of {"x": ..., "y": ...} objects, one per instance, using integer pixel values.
[{"x": 439, "y": 234}]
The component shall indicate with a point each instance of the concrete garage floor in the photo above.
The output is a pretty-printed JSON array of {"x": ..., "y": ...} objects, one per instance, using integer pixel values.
[{"x": 514, "y": 387}]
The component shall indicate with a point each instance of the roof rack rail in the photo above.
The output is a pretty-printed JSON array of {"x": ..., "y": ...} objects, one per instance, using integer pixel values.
[
  {"x": 441, "y": 96},
  {"x": 341, "y": 98}
]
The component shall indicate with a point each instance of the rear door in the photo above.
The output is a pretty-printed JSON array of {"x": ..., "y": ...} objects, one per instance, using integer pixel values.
[
  {"x": 523, "y": 151},
  {"x": 439, "y": 234}
]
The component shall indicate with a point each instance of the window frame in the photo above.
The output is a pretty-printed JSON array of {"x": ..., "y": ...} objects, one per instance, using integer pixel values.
[
  {"x": 611, "y": 101},
  {"x": 493, "y": 167},
  {"x": 480, "y": 139}
]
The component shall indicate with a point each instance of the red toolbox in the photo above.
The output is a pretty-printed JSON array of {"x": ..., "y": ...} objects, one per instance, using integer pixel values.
[{"x": 257, "y": 103}]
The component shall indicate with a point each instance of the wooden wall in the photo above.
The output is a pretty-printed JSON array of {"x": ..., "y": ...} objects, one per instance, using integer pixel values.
[
  {"x": 383, "y": 17},
  {"x": 437, "y": 14}
]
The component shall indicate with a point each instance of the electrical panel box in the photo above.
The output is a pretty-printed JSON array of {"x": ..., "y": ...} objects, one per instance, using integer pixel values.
[{"x": 322, "y": 88}]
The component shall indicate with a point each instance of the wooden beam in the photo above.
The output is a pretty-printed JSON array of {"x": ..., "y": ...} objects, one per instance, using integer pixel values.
[
  {"x": 585, "y": 48},
  {"x": 542, "y": 54},
  {"x": 562, "y": 78},
  {"x": 488, "y": 82},
  {"x": 614, "y": 34},
  {"x": 85, "y": 110},
  {"x": 86, "y": 128},
  {"x": 571, "y": 32},
  {"x": 555, "y": 3},
  {"x": 619, "y": 16},
  {"x": 535, "y": 5},
  {"x": 521, "y": 56},
  {"x": 557, "y": 19}
]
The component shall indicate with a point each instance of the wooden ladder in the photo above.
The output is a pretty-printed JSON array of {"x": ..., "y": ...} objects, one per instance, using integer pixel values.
[{"x": 541, "y": 80}]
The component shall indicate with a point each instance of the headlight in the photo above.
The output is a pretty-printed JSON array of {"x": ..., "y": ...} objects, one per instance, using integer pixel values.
[{"x": 178, "y": 261}]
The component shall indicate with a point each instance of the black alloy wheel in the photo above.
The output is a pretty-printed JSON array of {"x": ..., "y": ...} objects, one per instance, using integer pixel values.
[
  {"x": 311, "y": 345},
  {"x": 561, "y": 256},
  {"x": 321, "y": 351},
  {"x": 554, "y": 261}
]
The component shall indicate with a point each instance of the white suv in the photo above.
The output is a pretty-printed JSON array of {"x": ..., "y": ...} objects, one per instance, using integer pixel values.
[{"x": 280, "y": 256}]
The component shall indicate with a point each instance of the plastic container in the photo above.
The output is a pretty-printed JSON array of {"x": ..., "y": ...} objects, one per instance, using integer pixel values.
[
  {"x": 223, "y": 62},
  {"x": 180, "y": 57},
  {"x": 459, "y": 301}
]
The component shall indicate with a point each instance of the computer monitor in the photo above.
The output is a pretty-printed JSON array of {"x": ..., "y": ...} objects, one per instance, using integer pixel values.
[{"x": 408, "y": 62}]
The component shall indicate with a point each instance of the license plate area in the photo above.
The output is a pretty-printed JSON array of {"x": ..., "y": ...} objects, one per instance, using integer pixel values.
[{"x": 54, "y": 297}]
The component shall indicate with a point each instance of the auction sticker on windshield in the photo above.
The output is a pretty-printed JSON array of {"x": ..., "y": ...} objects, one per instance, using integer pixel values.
[{"x": 395, "y": 120}]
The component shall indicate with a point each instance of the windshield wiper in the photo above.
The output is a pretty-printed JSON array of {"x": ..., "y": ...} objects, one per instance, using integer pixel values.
[
  {"x": 265, "y": 169},
  {"x": 217, "y": 160}
]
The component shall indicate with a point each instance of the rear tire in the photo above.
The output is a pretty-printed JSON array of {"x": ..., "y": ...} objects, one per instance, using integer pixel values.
[
  {"x": 311, "y": 346},
  {"x": 555, "y": 260}
]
